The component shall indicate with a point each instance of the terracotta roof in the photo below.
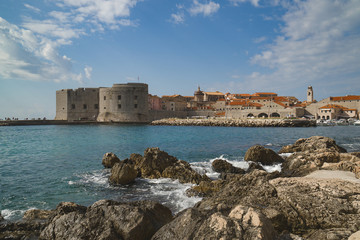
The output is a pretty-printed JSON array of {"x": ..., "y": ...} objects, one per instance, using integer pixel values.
[
  {"x": 334, "y": 106},
  {"x": 221, "y": 99},
  {"x": 264, "y": 93},
  {"x": 220, "y": 114},
  {"x": 171, "y": 96},
  {"x": 346, "y": 98},
  {"x": 281, "y": 104},
  {"x": 214, "y": 93}
]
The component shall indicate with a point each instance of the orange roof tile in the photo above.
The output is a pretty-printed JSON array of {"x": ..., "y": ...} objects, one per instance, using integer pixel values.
[
  {"x": 214, "y": 93},
  {"x": 334, "y": 106},
  {"x": 346, "y": 98}
]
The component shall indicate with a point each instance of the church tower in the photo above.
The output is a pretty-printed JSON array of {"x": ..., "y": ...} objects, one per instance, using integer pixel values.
[{"x": 310, "y": 95}]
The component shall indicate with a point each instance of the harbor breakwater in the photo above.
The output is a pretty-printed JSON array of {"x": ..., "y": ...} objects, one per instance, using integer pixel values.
[{"x": 236, "y": 122}]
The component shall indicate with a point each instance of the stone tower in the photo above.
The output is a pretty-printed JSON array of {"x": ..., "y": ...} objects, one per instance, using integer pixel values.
[
  {"x": 310, "y": 95},
  {"x": 199, "y": 95}
]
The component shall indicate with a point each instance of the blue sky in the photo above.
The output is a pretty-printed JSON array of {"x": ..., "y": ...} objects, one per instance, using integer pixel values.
[{"x": 237, "y": 46}]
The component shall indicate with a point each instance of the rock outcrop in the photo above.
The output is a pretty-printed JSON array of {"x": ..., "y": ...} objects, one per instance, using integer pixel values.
[
  {"x": 109, "y": 160},
  {"x": 262, "y": 155},
  {"x": 123, "y": 172},
  {"x": 315, "y": 153},
  {"x": 107, "y": 219},
  {"x": 239, "y": 222},
  {"x": 313, "y": 144},
  {"x": 222, "y": 166}
]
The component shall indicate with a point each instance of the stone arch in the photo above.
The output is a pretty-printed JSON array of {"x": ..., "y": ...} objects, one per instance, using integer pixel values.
[
  {"x": 263, "y": 115},
  {"x": 275, "y": 114},
  {"x": 250, "y": 115}
]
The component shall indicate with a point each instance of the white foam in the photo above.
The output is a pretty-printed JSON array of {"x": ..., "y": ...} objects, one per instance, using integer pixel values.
[
  {"x": 272, "y": 168},
  {"x": 99, "y": 177},
  {"x": 173, "y": 192},
  {"x": 12, "y": 214},
  {"x": 286, "y": 154}
]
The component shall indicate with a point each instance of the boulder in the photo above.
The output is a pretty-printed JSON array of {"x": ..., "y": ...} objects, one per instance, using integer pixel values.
[
  {"x": 1, "y": 218},
  {"x": 37, "y": 214},
  {"x": 123, "y": 172},
  {"x": 262, "y": 155},
  {"x": 313, "y": 144},
  {"x": 223, "y": 166},
  {"x": 109, "y": 160},
  {"x": 108, "y": 219},
  {"x": 240, "y": 222},
  {"x": 156, "y": 164}
]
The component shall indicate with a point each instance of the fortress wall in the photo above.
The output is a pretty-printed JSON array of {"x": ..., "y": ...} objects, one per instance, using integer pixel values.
[
  {"x": 162, "y": 114},
  {"x": 124, "y": 103},
  {"x": 242, "y": 114},
  {"x": 61, "y": 104},
  {"x": 83, "y": 104}
]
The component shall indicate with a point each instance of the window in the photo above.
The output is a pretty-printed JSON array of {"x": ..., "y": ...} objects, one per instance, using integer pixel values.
[
  {"x": 96, "y": 106},
  {"x": 104, "y": 97},
  {"x": 104, "y": 107},
  {"x": 135, "y": 105},
  {"x": 119, "y": 97},
  {"x": 72, "y": 106},
  {"x": 135, "y": 97},
  {"x": 84, "y": 106},
  {"x": 119, "y": 106}
]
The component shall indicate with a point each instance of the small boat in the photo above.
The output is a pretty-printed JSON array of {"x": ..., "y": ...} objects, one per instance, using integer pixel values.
[{"x": 357, "y": 123}]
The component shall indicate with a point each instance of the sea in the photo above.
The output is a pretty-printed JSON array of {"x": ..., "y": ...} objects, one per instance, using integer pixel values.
[{"x": 41, "y": 166}]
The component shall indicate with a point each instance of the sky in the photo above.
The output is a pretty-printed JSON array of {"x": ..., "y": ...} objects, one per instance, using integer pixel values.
[{"x": 236, "y": 46}]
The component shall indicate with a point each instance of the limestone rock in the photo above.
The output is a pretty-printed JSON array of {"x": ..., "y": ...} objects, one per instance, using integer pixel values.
[
  {"x": 222, "y": 166},
  {"x": 238, "y": 223},
  {"x": 1, "y": 218},
  {"x": 263, "y": 155},
  {"x": 108, "y": 219},
  {"x": 313, "y": 144},
  {"x": 355, "y": 236},
  {"x": 109, "y": 160},
  {"x": 156, "y": 164},
  {"x": 123, "y": 172},
  {"x": 34, "y": 214}
]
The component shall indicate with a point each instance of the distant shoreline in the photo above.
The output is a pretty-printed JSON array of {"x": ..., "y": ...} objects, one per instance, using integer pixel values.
[{"x": 178, "y": 122}]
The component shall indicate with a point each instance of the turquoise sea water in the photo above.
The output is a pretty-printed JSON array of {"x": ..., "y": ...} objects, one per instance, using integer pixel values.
[{"x": 41, "y": 166}]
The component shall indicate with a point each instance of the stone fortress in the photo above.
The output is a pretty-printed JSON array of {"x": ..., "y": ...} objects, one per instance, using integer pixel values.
[
  {"x": 119, "y": 103},
  {"x": 132, "y": 103}
]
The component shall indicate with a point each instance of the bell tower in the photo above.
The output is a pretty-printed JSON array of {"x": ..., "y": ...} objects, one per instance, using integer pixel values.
[{"x": 310, "y": 95}]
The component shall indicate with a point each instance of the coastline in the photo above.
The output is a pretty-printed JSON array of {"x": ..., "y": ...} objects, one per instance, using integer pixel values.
[
  {"x": 215, "y": 122},
  {"x": 223, "y": 122}
]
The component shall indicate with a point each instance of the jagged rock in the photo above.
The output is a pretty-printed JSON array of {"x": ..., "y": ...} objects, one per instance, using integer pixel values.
[
  {"x": 240, "y": 222},
  {"x": 34, "y": 214},
  {"x": 205, "y": 188},
  {"x": 223, "y": 166},
  {"x": 253, "y": 166},
  {"x": 263, "y": 155},
  {"x": 1, "y": 218},
  {"x": 123, "y": 172},
  {"x": 156, "y": 164},
  {"x": 108, "y": 219},
  {"x": 313, "y": 144},
  {"x": 316, "y": 153},
  {"x": 109, "y": 160},
  {"x": 184, "y": 173}
]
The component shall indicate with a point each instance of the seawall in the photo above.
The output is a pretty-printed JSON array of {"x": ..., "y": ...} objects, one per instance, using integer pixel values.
[{"x": 236, "y": 122}]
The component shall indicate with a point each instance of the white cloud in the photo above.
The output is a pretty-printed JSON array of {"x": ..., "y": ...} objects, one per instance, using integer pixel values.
[
  {"x": 88, "y": 71},
  {"x": 260, "y": 39},
  {"x": 23, "y": 55},
  {"x": 237, "y": 2},
  {"x": 177, "y": 18},
  {"x": 35, "y": 9},
  {"x": 319, "y": 44},
  {"x": 206, "y": 9},
  {"x": 110, "y": 12}
]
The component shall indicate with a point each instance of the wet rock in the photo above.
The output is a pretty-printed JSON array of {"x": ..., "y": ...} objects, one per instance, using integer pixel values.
[
  {"x": 262, "y": 155},
  {"x": 34, "y": 214},
  {"x": 313, "y": 144},
  {"x": 156, "y": 164},
  {"x": 253, "y": 166},
  {"x": 108, "y": 219},
  {"x": 1, "y": 218},
  {"x": 223, "y": 166},
  {"x": 240, "y": 222},
  {"x": 123, "y": 172},
  {"x": 205, "y": 188},
  {"x": 109, "y": 160}
]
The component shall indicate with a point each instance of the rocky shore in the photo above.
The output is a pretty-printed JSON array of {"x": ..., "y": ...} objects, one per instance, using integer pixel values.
[
  {"x": 296, "y": 203},
  {"x": 229, "y": 122}
]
